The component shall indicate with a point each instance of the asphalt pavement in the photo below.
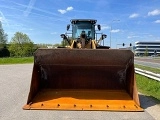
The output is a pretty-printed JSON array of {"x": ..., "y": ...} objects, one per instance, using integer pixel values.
[
  {"x": 148, "y": 61},
  {"x": 148, "y": 64},
  {"x": 14, "y": 87}
]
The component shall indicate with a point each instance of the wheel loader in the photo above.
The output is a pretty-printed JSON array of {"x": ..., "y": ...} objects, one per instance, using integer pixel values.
[{"x": 83, "y": 74}]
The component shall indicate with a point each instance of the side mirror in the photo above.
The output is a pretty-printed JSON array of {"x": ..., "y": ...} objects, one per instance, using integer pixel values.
[
  {"x": 99, "y": 27},
  {"x": 104, "y": 36},
  {"x": 68, "y": 26},
  {"x": 63, "y": 36}
]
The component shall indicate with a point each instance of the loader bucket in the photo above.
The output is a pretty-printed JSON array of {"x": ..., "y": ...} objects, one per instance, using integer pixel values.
[{"x": 83, "y": 79}]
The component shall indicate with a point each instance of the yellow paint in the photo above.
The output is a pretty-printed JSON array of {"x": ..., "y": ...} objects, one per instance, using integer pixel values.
[{"x": 112, "y": 100}]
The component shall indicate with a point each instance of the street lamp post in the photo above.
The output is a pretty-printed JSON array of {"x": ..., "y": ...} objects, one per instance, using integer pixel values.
[{"x": 111, "y": 31}]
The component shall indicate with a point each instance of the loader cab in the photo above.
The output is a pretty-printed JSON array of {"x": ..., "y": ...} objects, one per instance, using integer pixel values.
[
  {"x": 84, "y": 27},
  {"x": 83, "y": 34}
]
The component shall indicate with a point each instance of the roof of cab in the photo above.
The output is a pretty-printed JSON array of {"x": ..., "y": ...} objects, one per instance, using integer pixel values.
[{"x": 84, "y": 20}]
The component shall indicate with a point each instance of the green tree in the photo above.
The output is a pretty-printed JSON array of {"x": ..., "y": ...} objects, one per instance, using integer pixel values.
[
  {"x": 42, "y": 45},
  {"x": 56, "y": 45},
  {"x": 3, "y": 36},
  {"x": 21, "y": 45},
  {"x": 64, "y": 43},
  {"x": 146, "y": 51}
]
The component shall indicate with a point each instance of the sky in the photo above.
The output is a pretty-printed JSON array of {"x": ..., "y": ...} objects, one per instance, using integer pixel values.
[{"x": 123, "y": 21}]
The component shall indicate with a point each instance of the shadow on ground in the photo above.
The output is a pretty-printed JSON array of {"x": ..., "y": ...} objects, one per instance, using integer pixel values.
[{"x": 148, "y": 101}]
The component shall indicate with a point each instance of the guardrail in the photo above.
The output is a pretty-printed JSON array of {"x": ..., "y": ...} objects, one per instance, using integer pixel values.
[{"x": 148, "y": 74}]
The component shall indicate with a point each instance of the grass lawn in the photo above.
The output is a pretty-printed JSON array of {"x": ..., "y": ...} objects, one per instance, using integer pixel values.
[
  {"x": 148, "y": 86},
  {"x": 155, "y": 70},
  {"x": 19, "y": 60}
]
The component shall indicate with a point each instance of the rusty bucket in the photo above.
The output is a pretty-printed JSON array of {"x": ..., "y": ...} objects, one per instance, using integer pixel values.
[{"x": 83, "y": 79}]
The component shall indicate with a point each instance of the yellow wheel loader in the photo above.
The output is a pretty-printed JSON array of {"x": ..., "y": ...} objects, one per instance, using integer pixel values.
[{"x": 83, "y": 75}]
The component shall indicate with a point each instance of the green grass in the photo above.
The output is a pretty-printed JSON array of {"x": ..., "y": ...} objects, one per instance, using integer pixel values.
[
  {"x": 155, "y": 70},
  {"x": 148, "y": 86},
  {"x": 11, "y": 60},
  {"x": 156, "y": 58}
]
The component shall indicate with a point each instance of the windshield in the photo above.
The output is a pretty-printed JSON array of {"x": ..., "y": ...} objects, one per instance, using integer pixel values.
[{"x": 85, "y": 28}]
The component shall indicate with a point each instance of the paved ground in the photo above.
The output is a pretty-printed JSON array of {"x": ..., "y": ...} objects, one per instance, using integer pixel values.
[
  {"x": 148, "y": 61},
  {"x": 14, "y": 88},
  {"x": 148, "y": 64}
]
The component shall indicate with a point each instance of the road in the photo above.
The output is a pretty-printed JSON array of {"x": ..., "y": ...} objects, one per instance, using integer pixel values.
[
  {"x": 148, "y": 61},
  {"x": 14, "y": 88}
]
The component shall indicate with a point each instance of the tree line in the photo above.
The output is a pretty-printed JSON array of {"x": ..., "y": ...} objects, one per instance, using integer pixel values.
[{"x": 19, "y": 46}]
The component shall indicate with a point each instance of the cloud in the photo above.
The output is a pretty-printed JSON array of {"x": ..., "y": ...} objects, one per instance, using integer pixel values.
[
  {"x": 29, "y": 7},
  {"x": 3, "y": 18},
  {"x": 157, "y": 21},
  {"x": 105, "y": 27},
  {"x": 64, "y": 11},
  {"x": 132, "y": 36},
  {"x": 37, "y": 9},
  {"x": 154, "y": 12},
  {"x": 134, "y": 15},
  {"x": 30, "y": 29},
  {"x": 115, "y": 31},
  {"x": 69, "y": 8}
]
